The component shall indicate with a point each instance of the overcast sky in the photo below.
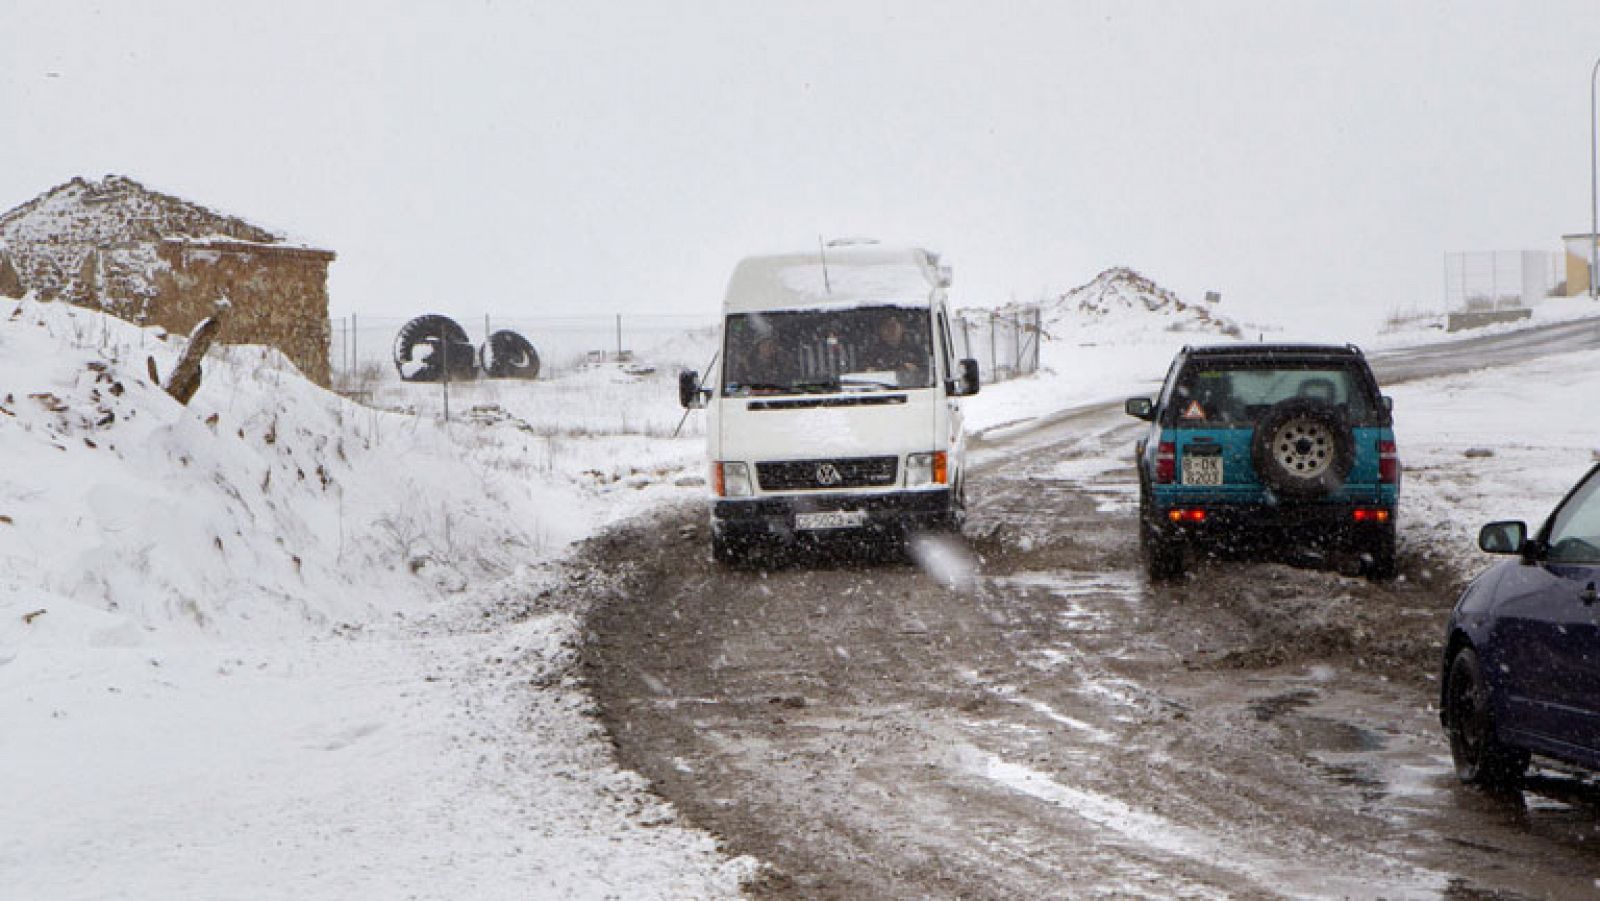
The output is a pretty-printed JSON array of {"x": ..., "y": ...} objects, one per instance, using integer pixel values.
[{"x": 1308, "y": 160}]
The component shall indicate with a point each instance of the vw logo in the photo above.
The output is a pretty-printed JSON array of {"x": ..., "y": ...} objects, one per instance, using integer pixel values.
[{"x": 828, "y": 474}]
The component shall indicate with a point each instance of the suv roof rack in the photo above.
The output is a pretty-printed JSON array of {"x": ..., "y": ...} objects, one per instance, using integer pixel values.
[{"x": 1245, "y": 350}]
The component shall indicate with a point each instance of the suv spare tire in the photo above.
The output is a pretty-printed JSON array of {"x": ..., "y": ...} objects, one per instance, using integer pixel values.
[
  {"x": 426, "y": 343},
  {"x": 508, "y": 355},
  {"x": 1303, "y": 448}
]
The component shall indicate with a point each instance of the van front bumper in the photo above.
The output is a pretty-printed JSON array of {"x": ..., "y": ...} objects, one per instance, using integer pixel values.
[{"x": 889, "y": 513}]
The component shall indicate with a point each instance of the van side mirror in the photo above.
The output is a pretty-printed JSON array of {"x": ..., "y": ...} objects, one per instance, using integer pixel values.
[
  {"x": 690, "y": 395},
  {"x": 1140, "y": 408},
  {"x": 1506, "y": 537},
  {"x": 1388, "y": 404},
  {"x": 969, "y": 378}
]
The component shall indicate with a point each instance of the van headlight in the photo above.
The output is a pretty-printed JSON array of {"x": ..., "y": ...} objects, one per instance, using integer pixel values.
[
  {"x": 926, "y": 469},
  {"x": 733, "y": 480}
]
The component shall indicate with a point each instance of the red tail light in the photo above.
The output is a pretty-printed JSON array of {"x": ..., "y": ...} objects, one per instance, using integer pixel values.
[
  {"x": 718, "y": 487},
  {"x": 1187, "y": 514},
  {"x": 1388, "y": 463},
  {"x": 1166, "y": 462},
  {"x": 1370, "y": 514}
]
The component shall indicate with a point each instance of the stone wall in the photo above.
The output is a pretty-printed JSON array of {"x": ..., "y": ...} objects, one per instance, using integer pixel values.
[
  {"x": 279, "y": 295},
  {"x": 10, "y": 281}
]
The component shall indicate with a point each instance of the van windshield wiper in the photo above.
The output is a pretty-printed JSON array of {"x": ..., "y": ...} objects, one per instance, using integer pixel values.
[
  {"x": 825, "y": 386},
  {"x": 867, "y": 383},
  {"x": 783, "y": 387}
]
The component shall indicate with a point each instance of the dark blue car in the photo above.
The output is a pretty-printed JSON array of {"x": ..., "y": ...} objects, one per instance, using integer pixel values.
[{"x": 1522, "y": 660}]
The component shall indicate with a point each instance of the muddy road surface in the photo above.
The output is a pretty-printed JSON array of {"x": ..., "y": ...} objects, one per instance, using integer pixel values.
[{"x": 1023, "y": 715}]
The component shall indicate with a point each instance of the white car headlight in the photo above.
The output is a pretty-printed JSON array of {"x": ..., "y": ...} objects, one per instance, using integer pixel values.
[
  {"x": 926, "y": 469},
  {"x": 734, "y": 480}
]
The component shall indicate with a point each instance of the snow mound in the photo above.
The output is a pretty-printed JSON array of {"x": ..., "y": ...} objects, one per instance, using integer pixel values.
[
  {"x": 1120, "y": 303},
  {"x": 268, "y": 508}
]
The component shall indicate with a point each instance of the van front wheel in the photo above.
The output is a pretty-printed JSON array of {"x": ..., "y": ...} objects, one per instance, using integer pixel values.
[
  {"x": 726, "y": 550},
  {"x": 956, "y": 517}
]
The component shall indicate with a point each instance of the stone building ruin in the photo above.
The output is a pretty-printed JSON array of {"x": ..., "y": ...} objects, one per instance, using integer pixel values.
[{"x": 159, "y": 260}]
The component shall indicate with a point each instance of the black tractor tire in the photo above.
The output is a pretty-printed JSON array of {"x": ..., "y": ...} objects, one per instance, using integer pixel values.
[
  {"x": 1163, "y": 556},
  {"x": 1303, "y": 448},
  {"x": 426, "y": 343},
  {"x": 508, "y": 355},
  {"x": 1480, "y": 758}
]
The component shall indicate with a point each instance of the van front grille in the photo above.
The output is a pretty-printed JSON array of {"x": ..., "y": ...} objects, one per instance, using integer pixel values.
[{"x": 845, "y": 472}]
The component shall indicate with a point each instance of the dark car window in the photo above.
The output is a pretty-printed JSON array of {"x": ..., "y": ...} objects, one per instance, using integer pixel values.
[
  {"x": 1575, "y": 530},
  {"x": 799, "y": 351},
  {"x": 1228, "y": 394}
]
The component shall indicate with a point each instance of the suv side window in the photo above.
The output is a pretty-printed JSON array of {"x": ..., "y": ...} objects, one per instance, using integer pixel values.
[{"x": 1167, "y": 385}]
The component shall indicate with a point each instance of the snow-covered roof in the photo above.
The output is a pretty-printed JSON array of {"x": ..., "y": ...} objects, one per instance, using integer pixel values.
[
  {"x": 119, "y": 209},
  {"x": 855, "y": 274},
  {"x": 51, "y": 236}
]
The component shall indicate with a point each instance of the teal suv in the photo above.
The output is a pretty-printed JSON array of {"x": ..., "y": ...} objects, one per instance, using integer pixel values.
[{"x": 1263, "y": 446}]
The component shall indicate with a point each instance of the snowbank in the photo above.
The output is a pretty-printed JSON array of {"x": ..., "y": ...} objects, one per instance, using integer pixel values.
[{"x": 274, "y": 644}]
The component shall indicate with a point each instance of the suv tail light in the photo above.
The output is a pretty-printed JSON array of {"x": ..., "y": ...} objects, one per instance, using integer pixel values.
[
  {"x": 1166, "y": 462},
  {"x": 1388, "y": 463}
]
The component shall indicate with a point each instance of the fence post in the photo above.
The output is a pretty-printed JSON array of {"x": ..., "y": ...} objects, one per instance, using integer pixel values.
[
  {"x": 1038, "y": 335},
  {"x": 1016, "y": 343},
  {"x": 994, "y": 358},
  {"x": 444, "y": 346}
]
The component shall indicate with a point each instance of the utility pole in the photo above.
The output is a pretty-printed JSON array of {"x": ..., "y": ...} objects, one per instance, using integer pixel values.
[{"x": 1594, "y": 208}]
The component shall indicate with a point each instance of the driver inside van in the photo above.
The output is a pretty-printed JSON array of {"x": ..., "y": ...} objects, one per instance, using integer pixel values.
[
  {"x": 893, "y": 350},
  {"x": 767, "y": 363}
]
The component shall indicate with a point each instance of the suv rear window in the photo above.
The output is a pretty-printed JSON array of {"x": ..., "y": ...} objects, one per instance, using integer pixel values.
[{"x": 1237, "y": 393}]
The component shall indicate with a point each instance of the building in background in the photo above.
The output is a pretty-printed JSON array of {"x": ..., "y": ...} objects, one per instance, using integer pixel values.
[
  {"x": 1578, "y": 250},
  {"x": 159, "y": 260}
]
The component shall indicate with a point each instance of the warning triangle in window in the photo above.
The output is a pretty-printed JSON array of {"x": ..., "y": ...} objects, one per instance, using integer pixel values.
[{"x": 1194, "y": 411}]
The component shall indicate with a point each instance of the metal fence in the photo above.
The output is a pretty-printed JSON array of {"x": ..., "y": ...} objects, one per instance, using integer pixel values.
[
  {"x": 362, "y": 347},
  {"x": 1005, "y": 342},
  {"x": 1483, "y": 281}
]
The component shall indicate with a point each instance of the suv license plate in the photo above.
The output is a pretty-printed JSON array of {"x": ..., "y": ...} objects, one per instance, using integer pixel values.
[
  {"x": 1202, "y": 470},
  {"x": 831, "y": 519}
]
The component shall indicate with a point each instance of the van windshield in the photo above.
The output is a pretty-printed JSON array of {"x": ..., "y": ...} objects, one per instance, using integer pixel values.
[{"x": 805, "y": 351}]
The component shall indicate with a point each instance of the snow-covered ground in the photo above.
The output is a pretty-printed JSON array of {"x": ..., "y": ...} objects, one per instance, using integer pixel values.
[
  {"x": 278, "y": 644},
  {"x": 274, "y": 644}
]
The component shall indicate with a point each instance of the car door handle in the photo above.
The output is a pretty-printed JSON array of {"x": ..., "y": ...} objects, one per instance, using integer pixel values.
[{"x": 1588, "y": 596}]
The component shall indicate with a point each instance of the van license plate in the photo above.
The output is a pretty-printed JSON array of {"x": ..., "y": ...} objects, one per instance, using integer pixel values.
[
  {"x": 1202, "y": 470},
  {"x": 831, "y": 519}
]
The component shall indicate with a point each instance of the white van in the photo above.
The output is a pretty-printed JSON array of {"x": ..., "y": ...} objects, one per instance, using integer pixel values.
[{"x": 835, "y": 404}]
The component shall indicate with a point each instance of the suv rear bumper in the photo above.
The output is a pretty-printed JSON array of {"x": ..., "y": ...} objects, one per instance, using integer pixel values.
[
  {"x": 1278, "y": 523},
  {"x": 890, "y": 513}
]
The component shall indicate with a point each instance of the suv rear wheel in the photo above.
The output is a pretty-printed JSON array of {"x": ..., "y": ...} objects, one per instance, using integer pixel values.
[
  {"x": 1379, "y": 556},
  {"x": 1163, "y": 556}
]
